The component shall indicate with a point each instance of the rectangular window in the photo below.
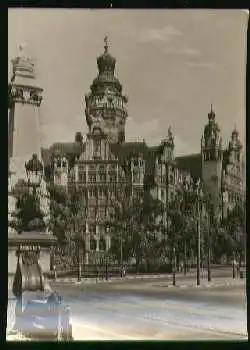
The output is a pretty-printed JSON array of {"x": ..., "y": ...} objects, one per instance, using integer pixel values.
[
  {"x": 101, "y": 168},
  {"x": 101, "y": 213},
  {"x": 82, "y": 177},
  {"x": 113, "y": 167},
  {"x": 112, "y": 178},
  {"x": 92, "y": 194},
  {"x": 92, "y": 167},
  {"x": 112, "y": 194},
  {"x": 92, "y": 178},
  {"x": 101, "y": 194},
  {"x": 102, "y": 177},
  {"x": 92, "y": 213}
]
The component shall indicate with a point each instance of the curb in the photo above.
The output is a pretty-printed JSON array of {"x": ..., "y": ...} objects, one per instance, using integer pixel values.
[
  {"x": 93, "y": 280},
  {"x": 73, "y": 280},
  {"x": 211, "y": 285}
]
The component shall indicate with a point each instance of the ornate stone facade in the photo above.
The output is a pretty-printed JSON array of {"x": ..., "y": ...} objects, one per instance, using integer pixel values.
[{"x": 102, "y": 163}]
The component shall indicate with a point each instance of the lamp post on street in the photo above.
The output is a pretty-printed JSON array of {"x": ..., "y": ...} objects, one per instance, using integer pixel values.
[
  {"x": 234, "y": 265},
  {"x": 174, "y": 266},
  {"x": 199, "y": 214},
  {"x": 209, "y": 277},
  {"x": 79, "y": 242}
]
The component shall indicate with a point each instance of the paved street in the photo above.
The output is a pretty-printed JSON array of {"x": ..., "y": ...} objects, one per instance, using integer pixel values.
[{"x": 150, "y": 309}]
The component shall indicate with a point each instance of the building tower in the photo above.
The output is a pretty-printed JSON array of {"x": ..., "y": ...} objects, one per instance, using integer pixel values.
[
  {"x": 25, "y": 97},
  {"x": 106, "y": 100},
  {"x": 212, "y": 155},
  {"x": 233, "y": 174}
]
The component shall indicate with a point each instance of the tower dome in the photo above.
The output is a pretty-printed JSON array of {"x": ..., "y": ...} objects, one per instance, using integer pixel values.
[
  {"x": 106, "y": 62},
  {"x": 106, "y": 100},
  {"x": 23, "y": 65}
]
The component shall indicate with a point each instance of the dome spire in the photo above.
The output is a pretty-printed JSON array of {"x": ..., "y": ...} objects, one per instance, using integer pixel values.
[
  {"x": 106, "y": 44},
  {"x": 211, "y": 114},
  {"x": 235, "y": 131}
]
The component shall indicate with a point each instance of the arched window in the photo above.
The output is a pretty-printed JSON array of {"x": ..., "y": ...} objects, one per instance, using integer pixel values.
[
  {"x": 92, "y": 243},
  {"x": 102, "y": 244}
]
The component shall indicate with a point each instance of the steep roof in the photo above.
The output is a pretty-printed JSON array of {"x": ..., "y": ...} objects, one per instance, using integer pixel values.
[
  {"x": 64, "y": 149},
  {"x": 125, "y": 150},
  {"x": 190, "y": 163}
]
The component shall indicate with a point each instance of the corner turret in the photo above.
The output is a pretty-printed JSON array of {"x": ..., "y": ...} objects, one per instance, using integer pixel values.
[{"x": 212, "y": 156}]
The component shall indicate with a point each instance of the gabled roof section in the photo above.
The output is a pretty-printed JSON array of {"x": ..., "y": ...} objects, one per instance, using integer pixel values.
[
  {"x": 190, "y": 163},
  {"x": 64, "y": 149},
  {"x": 125, "y": 150}
]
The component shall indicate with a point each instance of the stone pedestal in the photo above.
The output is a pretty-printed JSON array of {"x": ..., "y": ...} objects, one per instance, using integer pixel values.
[{"x": 28, "y": 260}]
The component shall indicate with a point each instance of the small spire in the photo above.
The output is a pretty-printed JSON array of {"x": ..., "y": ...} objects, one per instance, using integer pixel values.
[
  {"x": 106, "y": 44},
  {"x": 170, "y": 132},
  {"x": 211, "y": 114},
  {"x": 22, "y": 47},
  {"x": 235, "y": 131}
]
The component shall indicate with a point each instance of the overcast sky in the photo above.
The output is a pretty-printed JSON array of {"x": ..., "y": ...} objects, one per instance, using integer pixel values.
[{"x": 172, "y": 65}]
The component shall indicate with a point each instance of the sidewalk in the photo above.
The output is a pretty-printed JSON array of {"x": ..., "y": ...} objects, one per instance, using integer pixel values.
[
  {"x": 181, "y": 280},
  {"x": 216, "y": 282},
  {"x": 95, "y": 280}
]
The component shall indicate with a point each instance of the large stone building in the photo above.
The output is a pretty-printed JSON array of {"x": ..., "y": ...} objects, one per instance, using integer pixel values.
[{"x": 100, "y": 163}]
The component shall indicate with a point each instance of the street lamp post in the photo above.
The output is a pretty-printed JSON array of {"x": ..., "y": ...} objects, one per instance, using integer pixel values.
[
  {"x": 210, "y": 228},
  {"x": 78, "y": 241},
  {"x": 121, "y": 252},
  {"x": 198, "y": 250},
  {"x": 79, "y": 272},
  {"x": 199, "y": 211},
  {"x": 174, "y": 266},
  {"x": 209, "y": 278},
  {"x": 106, "y": 267},
  {"x": 234, "y": 265}
]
